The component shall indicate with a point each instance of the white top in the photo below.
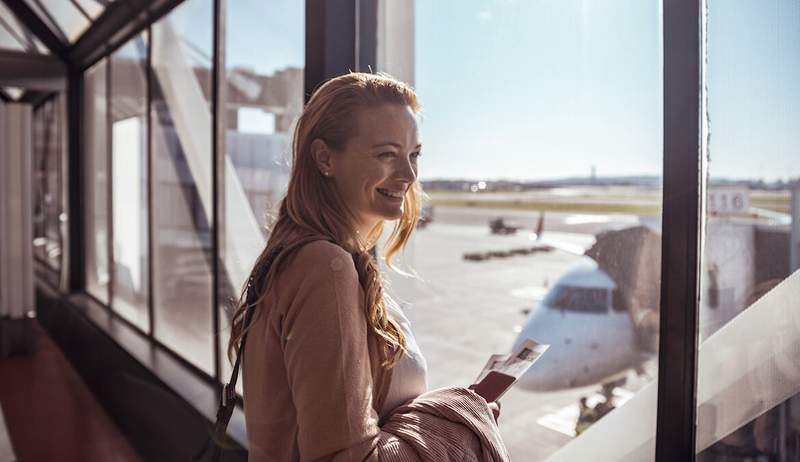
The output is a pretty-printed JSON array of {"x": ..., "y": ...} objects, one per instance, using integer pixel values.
[{"x": 410, "y": 375}]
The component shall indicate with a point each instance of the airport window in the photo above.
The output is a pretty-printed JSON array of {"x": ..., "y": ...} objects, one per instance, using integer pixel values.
[
  {"x": 542, "y": 141},
  {"x": 96, "y": 184},
  {"x": 129, "y": 176},
  {"x": 543, "y": 150},
  {"x": 263, "y": 96},
  {"x": 47, "y": 171},
  {"x": 748, "y": 380},
  {"x": 182, "y": 177}
]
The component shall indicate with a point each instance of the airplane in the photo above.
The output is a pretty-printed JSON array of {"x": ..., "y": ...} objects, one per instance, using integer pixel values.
[
  {"x": 592, "y": 340},
  {"x": 601, "y": 316}
]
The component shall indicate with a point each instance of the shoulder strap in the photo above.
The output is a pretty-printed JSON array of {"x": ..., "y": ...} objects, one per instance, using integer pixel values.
[{"x": 228, "y": 396}]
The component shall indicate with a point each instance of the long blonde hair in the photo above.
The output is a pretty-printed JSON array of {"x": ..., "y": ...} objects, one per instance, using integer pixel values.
[{"x": 312, "y": 207}]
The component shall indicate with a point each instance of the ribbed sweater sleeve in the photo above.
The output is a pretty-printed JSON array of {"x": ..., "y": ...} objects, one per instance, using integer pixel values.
[{"x": 446, "y": 425}]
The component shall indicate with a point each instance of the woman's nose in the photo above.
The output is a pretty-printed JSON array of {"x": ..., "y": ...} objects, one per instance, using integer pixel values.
[{"x": 407, "y": 171}]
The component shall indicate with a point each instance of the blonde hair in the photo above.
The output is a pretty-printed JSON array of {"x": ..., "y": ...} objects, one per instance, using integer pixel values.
[{"x": 313, "y": 209}]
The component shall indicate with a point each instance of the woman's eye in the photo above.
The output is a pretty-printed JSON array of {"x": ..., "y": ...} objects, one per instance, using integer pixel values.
[
  {"x": 386, "y": 154},
  {"x": 416, "y": 155}
]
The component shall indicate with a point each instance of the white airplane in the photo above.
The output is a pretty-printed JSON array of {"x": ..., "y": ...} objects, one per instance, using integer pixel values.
[
  {"x": 591, "y": 340},
  {"x": 598, "y": 333}
]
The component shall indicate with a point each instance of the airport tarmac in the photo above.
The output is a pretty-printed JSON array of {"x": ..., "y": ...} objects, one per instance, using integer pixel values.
[{"x": 463, "y": 311}]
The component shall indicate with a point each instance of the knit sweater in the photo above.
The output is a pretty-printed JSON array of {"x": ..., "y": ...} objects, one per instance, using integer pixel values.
[{"x": 313, "y": 380}]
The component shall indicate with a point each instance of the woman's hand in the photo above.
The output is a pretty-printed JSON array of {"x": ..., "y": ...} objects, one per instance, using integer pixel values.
[{"x": 495, "y": 407}]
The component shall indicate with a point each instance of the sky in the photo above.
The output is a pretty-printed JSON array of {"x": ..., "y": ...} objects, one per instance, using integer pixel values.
[{"x": 538, "y": 89}]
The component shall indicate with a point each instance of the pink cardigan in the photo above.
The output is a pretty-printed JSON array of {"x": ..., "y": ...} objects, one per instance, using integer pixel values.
[{"x": 312, "y": 380}]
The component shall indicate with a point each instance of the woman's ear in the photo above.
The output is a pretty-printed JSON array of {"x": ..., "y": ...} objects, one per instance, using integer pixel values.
[{"x": 322, "y": 157}]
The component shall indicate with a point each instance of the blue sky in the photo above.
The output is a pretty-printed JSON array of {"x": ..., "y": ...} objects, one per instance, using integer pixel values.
[
  {"x": 754, "y": 88},
  {"x": 531, "y": 89},
  {"x": 541, "y": 89}
]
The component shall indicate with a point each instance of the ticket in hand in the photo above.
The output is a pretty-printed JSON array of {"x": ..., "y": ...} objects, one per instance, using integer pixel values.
[{"x": 502, "y": 371}]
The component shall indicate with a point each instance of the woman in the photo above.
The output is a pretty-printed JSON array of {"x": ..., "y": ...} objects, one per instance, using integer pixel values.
[{"x": 330, "y": 367}]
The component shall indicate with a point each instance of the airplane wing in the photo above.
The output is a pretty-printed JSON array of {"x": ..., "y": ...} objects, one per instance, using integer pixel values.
[{"x": 573, "y": 243}]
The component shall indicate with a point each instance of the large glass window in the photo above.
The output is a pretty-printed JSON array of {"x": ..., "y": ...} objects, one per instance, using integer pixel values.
[
  {"x": 182, "y": 178},
  {"x": 96, "y": 183},
  {"x": 39, "y": 182},
  {"x": 263, "y": 91},
  {"x": 542, "y": 157},
  {"x": 748, "y": 369},
  {"x": 47, "y": 159},
  {"x": 129, "y": 167}
]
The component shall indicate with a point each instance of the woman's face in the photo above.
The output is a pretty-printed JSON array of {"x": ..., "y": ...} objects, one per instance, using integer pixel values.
[{"x": 377, "y": 166}]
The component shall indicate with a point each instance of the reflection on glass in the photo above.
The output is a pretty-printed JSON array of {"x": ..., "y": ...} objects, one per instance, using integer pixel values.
[
  {"x": 748, "y": 370},
  {"x": 95, "y": 129},
  {"x": 129, "y": 181},
  {"x": 263, "y": 91},
  {"x": 39, "y": 183},
  {"x": 182, "y": 170},
  {"x": 47, "y": 147},
  {"x": 542, "y": 157},
  {"x": 53, "y": 148}
]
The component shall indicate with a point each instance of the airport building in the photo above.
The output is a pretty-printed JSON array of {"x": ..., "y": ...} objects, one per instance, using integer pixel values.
[{"x": 619, "y": 182}]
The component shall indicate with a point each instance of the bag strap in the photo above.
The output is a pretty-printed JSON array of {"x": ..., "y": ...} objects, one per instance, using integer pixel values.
[{"x": 228, "y": 397}]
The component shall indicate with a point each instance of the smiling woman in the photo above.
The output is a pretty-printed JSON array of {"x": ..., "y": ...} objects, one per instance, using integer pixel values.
[{"x": 332, "y": 370}]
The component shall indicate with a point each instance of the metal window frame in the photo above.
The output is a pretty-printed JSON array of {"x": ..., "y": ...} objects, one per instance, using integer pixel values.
[
  {"x": 109, "y": 188},
  {"x": 366, "y": 39},
  {"x": 151, "y": 315},
  {"x": 332, "y": 40},
  {"x": 684, "y": 187},
  {"x": 218, "y": 127}
]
